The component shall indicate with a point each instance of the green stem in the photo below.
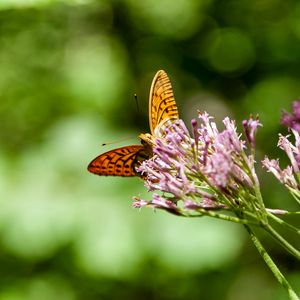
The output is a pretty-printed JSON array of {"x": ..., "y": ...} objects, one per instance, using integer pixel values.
[
  {"x": 292, "y": 213},
  {"x": 272, "y": 266},
  {"x": 285, "y": 244},
  {"x": 283, "y": 223},
  {"x": 220, "y": 216},
  {"x": 259, "y": 196},
  {"x": 256, "y": 187},
  {"x": 295, "y": 194}
]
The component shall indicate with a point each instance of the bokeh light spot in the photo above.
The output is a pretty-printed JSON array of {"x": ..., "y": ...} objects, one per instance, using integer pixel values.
[
  {"x": 230, "y": 51},
  {"x": 177, "y": 19}
]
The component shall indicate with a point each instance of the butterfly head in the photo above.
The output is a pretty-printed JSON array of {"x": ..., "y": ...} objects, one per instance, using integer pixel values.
[{"x": 147, "y": 139}]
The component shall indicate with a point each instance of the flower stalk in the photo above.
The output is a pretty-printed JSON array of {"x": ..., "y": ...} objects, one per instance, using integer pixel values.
[{"x": 272, "y": 266}]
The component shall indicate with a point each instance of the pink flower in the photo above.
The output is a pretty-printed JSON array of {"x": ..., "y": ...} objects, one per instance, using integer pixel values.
[
  {"x": 250, "y": 128},
  {"x": 292, "y": 121}
]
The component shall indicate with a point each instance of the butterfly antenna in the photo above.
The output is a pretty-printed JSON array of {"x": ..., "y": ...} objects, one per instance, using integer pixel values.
[
  {"x": 137, "y": 103},
  {"x": 139, "y": 112},
  {"x": 127, "y": 138},
  {"x": 117, "y": 141}
]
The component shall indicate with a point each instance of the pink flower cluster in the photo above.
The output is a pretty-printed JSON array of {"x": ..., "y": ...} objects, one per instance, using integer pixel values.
[
  {"x": 289, "y": 176},
  {"x": 208, "y": 169}
]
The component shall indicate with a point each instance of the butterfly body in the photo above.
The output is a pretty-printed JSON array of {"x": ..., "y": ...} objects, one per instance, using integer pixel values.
[{"x": 123, "y": 161}]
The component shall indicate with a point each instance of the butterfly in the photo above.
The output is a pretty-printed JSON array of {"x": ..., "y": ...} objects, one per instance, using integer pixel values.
[{"x": 162, "y": 109}]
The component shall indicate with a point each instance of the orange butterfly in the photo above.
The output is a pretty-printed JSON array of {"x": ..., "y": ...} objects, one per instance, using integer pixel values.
[{"x": 162, "y": 108}]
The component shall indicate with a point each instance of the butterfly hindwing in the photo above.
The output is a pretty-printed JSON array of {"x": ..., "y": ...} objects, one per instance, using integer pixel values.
[
  {"x": 162, "y": 105},
  {"x": 118, "y": 162}
]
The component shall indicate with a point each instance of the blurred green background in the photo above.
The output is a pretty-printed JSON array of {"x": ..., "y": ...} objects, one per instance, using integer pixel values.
[{"x": 68, "y": 73}]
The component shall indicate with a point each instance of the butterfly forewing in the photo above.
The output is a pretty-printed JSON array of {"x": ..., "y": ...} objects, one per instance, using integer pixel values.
[
  {"x": 118, "y": 162},
  {"x": 162, "y": 105}
]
